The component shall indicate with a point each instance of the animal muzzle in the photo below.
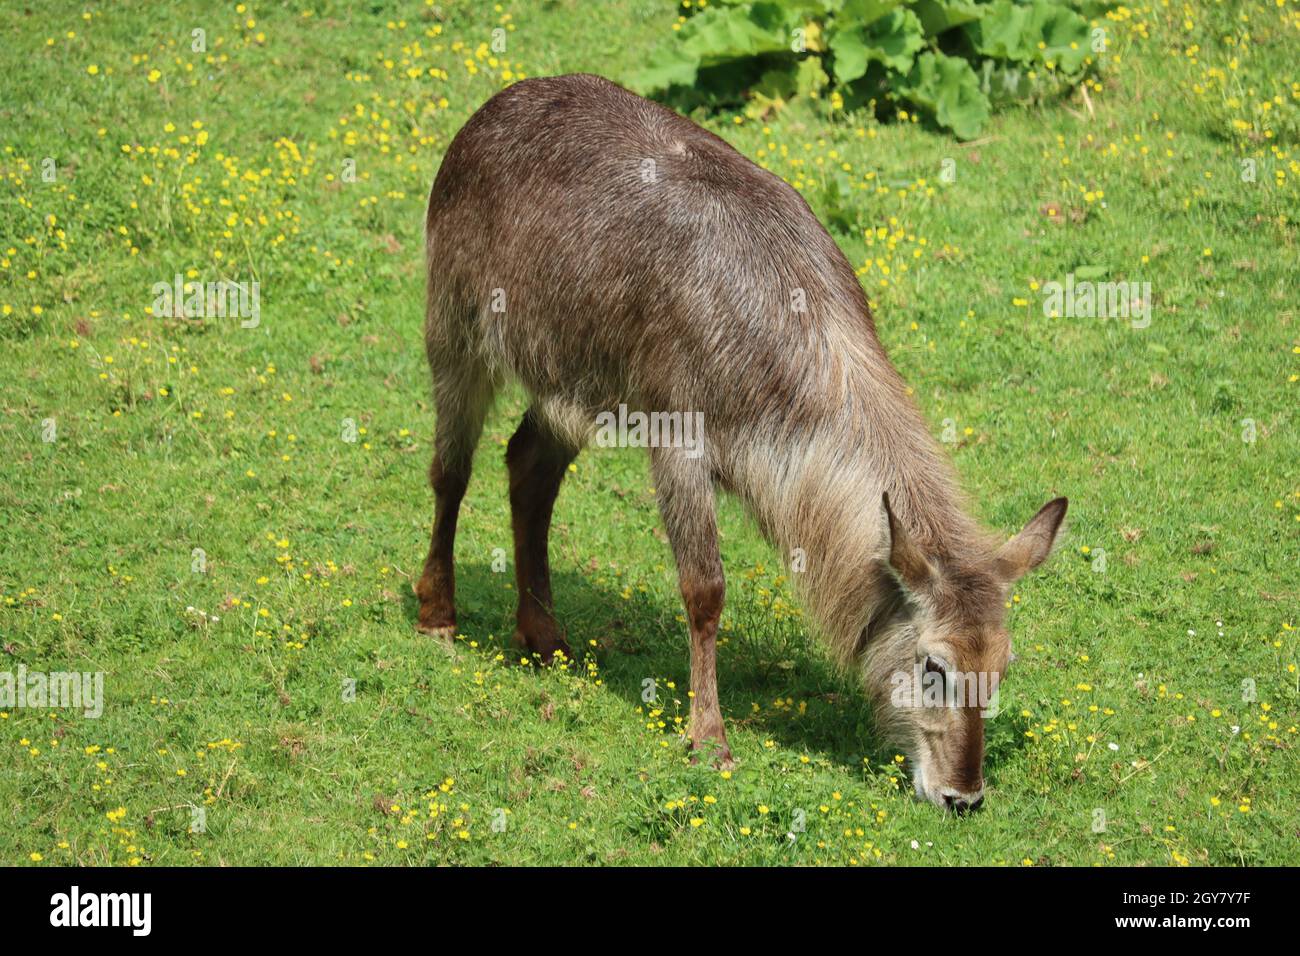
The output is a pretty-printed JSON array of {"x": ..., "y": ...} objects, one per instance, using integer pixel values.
[{"x": 960, "y": 803}]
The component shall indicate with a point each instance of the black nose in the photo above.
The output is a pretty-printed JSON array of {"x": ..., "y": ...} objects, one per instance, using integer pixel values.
[{"x": 959, "y": 805}]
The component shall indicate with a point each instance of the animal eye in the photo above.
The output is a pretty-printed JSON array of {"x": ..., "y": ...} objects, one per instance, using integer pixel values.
[{"x": 933, "y": 665}]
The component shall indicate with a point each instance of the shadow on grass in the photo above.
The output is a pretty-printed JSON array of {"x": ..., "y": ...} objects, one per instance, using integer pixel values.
[{"x": 763, "y": 661}]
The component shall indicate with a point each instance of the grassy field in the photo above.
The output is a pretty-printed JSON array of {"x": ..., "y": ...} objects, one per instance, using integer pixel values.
[{"x": 182, "y": 508}]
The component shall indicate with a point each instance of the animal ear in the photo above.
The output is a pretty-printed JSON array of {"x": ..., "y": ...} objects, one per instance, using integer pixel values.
[
  {"x": 905, "y": 557},
  {"x": 1033, "y": 544}
]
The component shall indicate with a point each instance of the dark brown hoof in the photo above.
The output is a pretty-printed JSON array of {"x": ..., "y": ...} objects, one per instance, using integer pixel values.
[
  {"x": 446, "y": 632},
  {"x": 546, "y": 646},
  {"x": 716, "y": 752}
]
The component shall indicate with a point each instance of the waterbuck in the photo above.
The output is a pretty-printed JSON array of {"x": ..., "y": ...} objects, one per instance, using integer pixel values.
[{"x": 602, "y": 250}]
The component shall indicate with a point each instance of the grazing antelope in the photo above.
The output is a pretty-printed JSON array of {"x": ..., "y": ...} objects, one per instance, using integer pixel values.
[{"x": 602, "y": 250}]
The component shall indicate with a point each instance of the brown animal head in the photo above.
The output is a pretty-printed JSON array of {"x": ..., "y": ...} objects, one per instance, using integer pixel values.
[{"x": 944, "y": 648}]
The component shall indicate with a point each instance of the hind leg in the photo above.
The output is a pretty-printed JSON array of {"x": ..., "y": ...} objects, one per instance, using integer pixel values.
[
  {"x": 462, "y": 398},
  {"x": 537, "y": 461}
]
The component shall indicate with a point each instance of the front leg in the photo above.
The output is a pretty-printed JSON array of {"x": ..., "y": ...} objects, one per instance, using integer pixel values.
[
  {"x": 703, "y": 595},
  {"x": 685, "y": 493}
]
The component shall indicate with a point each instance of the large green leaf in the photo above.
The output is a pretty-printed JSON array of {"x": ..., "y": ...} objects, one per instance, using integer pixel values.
[
  {"x": 948, "y": 88},
  {"x": 1002, "y": 33},
  {"x": 859, "y": 13},
  {"x": 672, "y": 67},
  {"x": 1065, "y": 35},
  {"x": 892, "y": 40},
  {"x": 939, "y": 15},
  {"x": 720, "y": 34},
  {"x": 1037, "y": 32}
]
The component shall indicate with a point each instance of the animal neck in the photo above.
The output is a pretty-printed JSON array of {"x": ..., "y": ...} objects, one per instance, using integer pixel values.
[{"x": 816, "y": 487}]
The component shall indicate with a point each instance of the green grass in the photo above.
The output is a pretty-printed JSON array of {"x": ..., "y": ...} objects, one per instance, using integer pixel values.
[{"x": 173, "y": 434}]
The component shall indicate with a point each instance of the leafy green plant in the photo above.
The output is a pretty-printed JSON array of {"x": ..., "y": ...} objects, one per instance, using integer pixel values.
[{"x": 953, "y": 59}]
